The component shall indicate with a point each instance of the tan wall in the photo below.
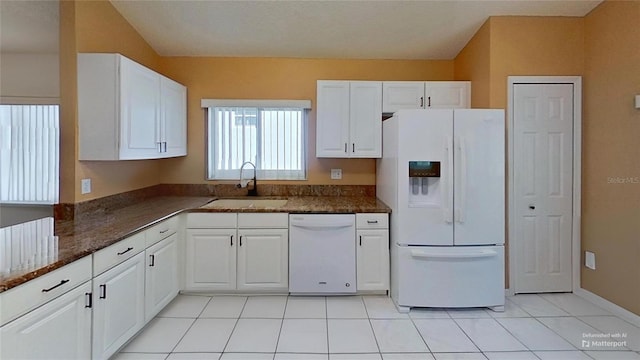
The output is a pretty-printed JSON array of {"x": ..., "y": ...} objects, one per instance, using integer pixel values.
[
  {"x": 68, "y": 102},
  {"x": 279, "y": 78},
  {"x": 611, "y": 131},
  {"x": 533, "y": 46},
  {"x": 95, "y": 26},
  {"x": 30, "y": 75},
  {"x": 473, "y": 62}
]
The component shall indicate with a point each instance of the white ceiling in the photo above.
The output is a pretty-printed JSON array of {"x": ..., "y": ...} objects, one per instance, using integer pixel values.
[
  {"x": 368, "y": 29},
  {"x": 365, "y": 29}
]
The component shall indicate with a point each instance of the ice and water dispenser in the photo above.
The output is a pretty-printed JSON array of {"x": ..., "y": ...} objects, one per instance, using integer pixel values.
[{"x": 424, "y": 183}]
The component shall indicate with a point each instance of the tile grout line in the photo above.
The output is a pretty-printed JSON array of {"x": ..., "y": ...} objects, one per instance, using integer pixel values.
[
  {"x": 366, "y": 309},
  {"x": 326, "y": 317},
  {"x": 234, "y": 326},
  {"x": 284, "y": 311},
  {"x": 418, "y": 330},
  {"x": 190, "y": 326}
]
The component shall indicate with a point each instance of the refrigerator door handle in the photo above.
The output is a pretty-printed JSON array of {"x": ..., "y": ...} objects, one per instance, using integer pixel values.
[
  {"x": 457, "y": 255},
  {"x": 448, "y": 210},
  {"x": 463, "y": 180}
]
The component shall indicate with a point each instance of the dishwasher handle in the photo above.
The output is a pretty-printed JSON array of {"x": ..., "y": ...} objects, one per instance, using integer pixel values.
[{"x": 321, "y": 225}]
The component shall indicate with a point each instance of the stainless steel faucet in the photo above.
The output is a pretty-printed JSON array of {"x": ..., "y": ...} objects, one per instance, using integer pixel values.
[{"x": 254, "y": 190}]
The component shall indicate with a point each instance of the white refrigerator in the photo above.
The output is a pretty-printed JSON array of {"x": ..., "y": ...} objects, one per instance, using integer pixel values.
[{"x": 442, "y": 174}]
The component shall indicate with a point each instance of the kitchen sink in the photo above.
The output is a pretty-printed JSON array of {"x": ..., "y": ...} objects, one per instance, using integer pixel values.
[{"x": 246, "y": 203}]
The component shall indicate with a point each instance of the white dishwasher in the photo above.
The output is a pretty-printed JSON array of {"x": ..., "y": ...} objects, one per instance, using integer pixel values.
[{"x": 322, "y": 254}]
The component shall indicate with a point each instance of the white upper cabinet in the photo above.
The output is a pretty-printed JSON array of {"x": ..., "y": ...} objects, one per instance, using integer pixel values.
[
  {"x": 173, "y": 113},
  {"x": 127, "y": 111},
  {"x": 447, "y": 94},
  {"x": 398, "y": 95},
  {"x": 349, "y": 119},
  {"x": 365, "y": 125},
  {"x": 332, "y": 122}
]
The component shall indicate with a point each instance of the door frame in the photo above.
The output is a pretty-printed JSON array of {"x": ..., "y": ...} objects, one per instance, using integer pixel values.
[{"x": 576, "y": 81}]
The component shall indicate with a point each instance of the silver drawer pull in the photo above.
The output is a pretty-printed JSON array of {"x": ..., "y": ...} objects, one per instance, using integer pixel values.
[
  {"x": 372, "y": 221},
  {"x": 62, "y": 282},
  {"x": 164, "y": 231}
]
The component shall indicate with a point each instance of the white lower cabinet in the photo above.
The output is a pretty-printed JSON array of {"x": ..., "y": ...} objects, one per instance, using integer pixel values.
[
  {"x": 251, "y": 254},
  {"x": 210, "y": 259},
  {"x": 263, "y": 258},
  {"x": 118, "y": 300},
  {"x": 161, "y": 275},
  {"x": 372, "y": 252},
  {"x": 59, "y": 329}
]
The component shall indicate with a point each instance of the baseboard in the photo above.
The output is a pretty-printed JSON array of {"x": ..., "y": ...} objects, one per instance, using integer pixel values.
[{"x": 608, "y": 305}]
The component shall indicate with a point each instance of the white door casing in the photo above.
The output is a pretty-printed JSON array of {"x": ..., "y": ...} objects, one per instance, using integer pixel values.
[{"x": 544, "y": 184}]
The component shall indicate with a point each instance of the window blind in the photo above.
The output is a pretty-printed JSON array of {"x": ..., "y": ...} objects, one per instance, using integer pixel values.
[
  {"x": 29, "y": 154},
  {"x": 28, "y": 245},
  {"x": 271, "y": 138}
]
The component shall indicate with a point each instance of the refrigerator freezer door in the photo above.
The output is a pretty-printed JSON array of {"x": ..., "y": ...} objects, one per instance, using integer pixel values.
[
  {"x": 449, "y": 276},
  {"x": 479, "y": 200},
  {"x": 424, "y": 136}
]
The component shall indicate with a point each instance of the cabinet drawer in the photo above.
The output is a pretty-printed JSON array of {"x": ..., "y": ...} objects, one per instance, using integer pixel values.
[
  {"x": 372, "y": 221},
  {"x": 162, "y": 230},
  {"x": 263, "y": 221},
  {"x": 110, "y": 256},
  {"x": 212, "y": 220},
  {"x": 28, "y": 296}
]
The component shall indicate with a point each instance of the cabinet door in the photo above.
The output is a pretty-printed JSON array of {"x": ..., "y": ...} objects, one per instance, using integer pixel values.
[
  {"x": 448, "y": 94},
  {"x": 332, "y": 119},
  {"x": 398, "y": 95},
  {"x": 372, "y": 257},
  {"x": 263, "y": 259},
  {"x": 118, "y": 312},
  {"x": 211, "y": 259},
  {"x": 173, "y": 114},
  {"x": 365, "y": 125},
  {"x": 161, "y": 278},
  {"x": 60, "y": 329},
  {"x": 140, "y": 107}
]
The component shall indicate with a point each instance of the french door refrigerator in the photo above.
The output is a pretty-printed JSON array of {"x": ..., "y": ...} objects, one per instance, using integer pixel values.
[{"x": 442, "y": 174}]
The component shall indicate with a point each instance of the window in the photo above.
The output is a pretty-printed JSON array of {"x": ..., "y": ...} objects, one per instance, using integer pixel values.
[
  {"x": 272, "y": 138},
  {"x": 29, "y": 151}
]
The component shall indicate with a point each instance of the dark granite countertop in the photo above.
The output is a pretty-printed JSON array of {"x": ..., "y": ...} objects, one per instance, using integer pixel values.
[
  {"x": 310, "y": 204},
  {"x": 74, "y": 239}
]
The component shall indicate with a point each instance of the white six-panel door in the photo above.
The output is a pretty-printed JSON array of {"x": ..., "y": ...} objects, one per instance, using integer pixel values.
[{"x": 543, "y": 155}]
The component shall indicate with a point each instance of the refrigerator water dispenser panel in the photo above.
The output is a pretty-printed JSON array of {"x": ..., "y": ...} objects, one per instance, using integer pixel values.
[
  {"x": 424, "y": 168},
  {"x": 424, "y": 183}
]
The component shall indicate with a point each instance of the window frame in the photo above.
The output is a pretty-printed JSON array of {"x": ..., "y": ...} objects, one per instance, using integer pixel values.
[{"x": 211, "y": 174}]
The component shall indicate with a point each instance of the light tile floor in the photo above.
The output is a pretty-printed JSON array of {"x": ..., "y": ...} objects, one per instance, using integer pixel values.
[{"x": 547, "y": 327}]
